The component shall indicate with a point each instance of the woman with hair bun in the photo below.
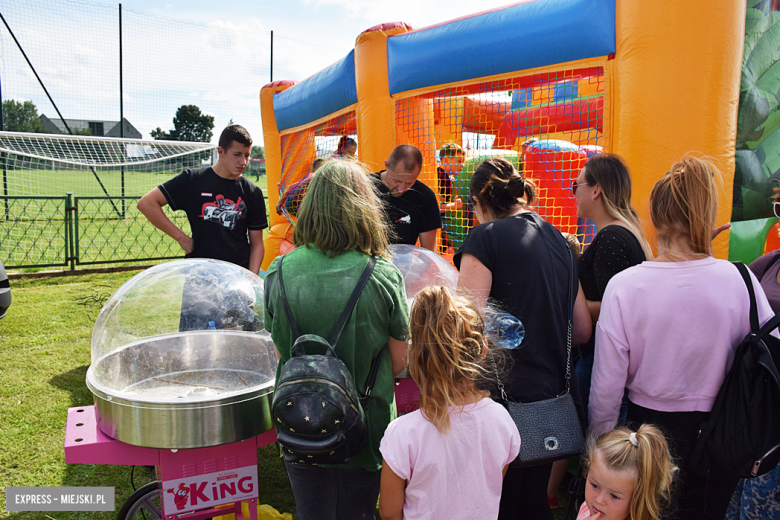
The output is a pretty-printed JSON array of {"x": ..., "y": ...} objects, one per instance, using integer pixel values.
[
  {"x": 522, "y": 263},
  {"x": 668, "y": 330}
]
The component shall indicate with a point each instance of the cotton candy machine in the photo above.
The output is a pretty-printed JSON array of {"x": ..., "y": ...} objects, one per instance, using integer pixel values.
[
  {"x": 421, "y": 267},
  {"x": 180, "y": 358}
]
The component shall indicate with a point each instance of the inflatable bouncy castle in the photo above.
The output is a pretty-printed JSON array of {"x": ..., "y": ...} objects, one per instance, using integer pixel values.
[{"x": 545, "y": 83}]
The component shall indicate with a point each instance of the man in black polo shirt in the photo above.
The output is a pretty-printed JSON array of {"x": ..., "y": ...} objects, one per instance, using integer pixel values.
[{"x": 411, "y": 208}]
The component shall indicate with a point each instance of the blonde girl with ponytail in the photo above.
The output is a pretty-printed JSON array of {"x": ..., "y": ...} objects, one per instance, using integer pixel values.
[
  {"x": 447, "y": 459},
  {"x": 629, "y": 475}
]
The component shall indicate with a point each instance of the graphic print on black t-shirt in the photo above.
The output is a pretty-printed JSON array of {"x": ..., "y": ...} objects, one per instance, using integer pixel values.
[
  {"x": 220, "y": 211},
  {"x": 224, "y": 211},
  {"x": 414, "y": 212}
]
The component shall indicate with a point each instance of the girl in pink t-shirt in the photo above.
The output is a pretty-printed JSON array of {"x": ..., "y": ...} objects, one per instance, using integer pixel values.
[
  {"x": 628, "y": 475},
  {"x": 447, "y": 459}
]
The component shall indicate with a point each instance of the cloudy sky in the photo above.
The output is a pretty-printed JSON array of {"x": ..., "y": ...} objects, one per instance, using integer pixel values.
[{"x": 215, "y": 55}]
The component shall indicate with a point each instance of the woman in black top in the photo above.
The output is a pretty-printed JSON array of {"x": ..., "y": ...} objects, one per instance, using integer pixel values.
[
  {"x": 603, "y": 193},
  {"x": 522, "y": 263}
]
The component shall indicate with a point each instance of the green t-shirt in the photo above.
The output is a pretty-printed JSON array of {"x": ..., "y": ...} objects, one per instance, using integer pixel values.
[{"x": 317, "y": 289}]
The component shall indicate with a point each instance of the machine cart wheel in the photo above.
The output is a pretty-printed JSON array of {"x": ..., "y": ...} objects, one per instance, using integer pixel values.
[{"x": 144, "y": 503}]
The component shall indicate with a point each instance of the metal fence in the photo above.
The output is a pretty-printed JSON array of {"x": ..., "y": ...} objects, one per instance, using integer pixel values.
[{"x": 68, "y": 232}]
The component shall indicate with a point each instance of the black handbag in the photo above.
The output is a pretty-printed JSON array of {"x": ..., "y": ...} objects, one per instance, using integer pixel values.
[{"x": 549, "y": 429}]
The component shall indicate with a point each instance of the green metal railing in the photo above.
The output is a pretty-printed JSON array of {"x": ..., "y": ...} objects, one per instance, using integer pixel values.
[
  {"x": 35, "y": 232},
  {"x": 80, "y": 231},
  {"x": 103, "y": 237}
]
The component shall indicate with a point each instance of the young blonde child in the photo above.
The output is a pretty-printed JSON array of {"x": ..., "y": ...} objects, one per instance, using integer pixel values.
[
  {"x": 629, "y": 475},
  {"x": 447, "y": 459}
]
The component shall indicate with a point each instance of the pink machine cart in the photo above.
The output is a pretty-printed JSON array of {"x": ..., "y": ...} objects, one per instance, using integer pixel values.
[{"x": 193, "y": 482}]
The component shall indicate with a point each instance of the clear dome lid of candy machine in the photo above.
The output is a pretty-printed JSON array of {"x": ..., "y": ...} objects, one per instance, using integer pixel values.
[
  {"x": 421, "y": 267},
  {"x": 179, "y": 296}
]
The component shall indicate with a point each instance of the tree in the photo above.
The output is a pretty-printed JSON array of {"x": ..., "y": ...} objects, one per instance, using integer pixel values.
[
  {"x": 257, "y": 152},
  {"x": 189, "y": 124},
  {"x": 21, "y": 117}
]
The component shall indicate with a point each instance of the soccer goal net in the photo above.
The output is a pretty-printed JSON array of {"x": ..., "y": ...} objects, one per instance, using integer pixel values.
[
  {"x": 52, "y": 165},
  {"x": 70, "y": 200}
]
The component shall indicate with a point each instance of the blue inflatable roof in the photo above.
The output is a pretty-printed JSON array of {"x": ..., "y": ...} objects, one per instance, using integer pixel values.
[
  {"x": 326, "y": 92},
  {"x": 525, "y": 36}
]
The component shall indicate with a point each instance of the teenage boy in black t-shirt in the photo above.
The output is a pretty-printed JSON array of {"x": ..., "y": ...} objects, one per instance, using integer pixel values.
[
  {"x": 411, "y": 208},
  {"x": 226, "y": 210}
]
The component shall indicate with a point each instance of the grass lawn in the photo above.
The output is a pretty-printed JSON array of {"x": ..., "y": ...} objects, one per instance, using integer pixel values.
[{"x": 45, "y": 347}]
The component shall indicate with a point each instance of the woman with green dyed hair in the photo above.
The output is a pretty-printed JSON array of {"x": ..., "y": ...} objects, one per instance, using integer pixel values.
[{"x": 340, "y": 226}]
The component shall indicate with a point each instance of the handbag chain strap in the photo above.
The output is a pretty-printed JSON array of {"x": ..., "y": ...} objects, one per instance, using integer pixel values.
[
  {"x": 569, "y": 325},
  {"x": 498, "y": 380}
]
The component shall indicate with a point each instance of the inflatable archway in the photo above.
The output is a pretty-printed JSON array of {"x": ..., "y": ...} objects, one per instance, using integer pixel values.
[{"x": 547, "y": 81}]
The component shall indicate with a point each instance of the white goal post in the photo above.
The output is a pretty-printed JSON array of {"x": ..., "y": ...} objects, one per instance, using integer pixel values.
[{"x": 52, "y": 164}]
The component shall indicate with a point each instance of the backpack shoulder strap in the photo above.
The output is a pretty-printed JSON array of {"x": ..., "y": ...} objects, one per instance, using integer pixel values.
[
  {"x": 372, "y": 372},
  {"x": 743, "y": 270},
  {"x": 706, "y": 428},
  {"x": 344, "y": 315},
  {"x": 769, "y": 326},
  {"x": 287, "y": 311},
  {"x": 374, "y": 369},
  {"x": 352, "y": 301}
]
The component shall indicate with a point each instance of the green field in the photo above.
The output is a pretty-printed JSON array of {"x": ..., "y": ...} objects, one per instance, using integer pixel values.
[
  {"x": 82, "y": 183},
  {"x": 33, "y": 230}
]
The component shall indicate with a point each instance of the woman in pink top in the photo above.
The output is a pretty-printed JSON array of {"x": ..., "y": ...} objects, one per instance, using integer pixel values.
[
  {"x": 668, "y": 330},
  {"x": 447, "y": 460}
]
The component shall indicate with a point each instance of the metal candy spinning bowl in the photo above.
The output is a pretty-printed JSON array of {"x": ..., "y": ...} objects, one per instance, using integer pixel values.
[{"x": 186, "y": 390}]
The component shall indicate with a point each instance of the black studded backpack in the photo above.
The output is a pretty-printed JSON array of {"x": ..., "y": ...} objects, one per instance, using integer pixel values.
[{"x": 317, "y": 412}]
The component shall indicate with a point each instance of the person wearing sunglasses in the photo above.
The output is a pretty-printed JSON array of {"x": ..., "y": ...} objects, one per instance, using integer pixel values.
[{"x": 603, "y": 193}]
